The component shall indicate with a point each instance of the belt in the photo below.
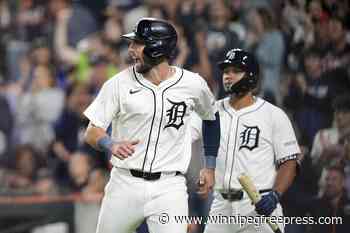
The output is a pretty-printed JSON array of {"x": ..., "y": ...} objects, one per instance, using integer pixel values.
[
  {"x": 149, "y": 175},
  {"x": 237, "y": 195}
]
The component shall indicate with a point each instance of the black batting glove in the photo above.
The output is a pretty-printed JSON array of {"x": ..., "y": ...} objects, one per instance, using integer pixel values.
[{"x": 267, "y": 203}]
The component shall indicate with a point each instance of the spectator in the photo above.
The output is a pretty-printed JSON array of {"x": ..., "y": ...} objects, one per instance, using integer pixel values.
[
  {"x": 38, "y": 55},
  {"x": 327, "y": 148},
  {"x": 333, "y": 203},
  {"x": 298, "y": 30},
  {"x": 98, "y": 73},
  {"x": 236, "y": 24},
  {"x": 203, "y": 66},
  {"x": 5, "y": 16},
  {"x": 22, "y": 174},
  {"x": 93, "y": 48},
  {"x": 309, "y": 96},
  {"x": 6, "y": 124},
  {"x": 30, "y": 20},
  {"x": 69, "y": 125},
  {"x": 68, "y": 130},
  {"x": 319, "y": 37},
  {"x": 77, "y": 20},
  {"x": 41, "y": 53},
  {"x": 5, "y": 23},
  {"x": 38, "y": 109},
  {"x": 338, "y": 56},
  {"x": 191, "y": 19},
  {"x": 157, "y": 10},
  {"x": 132, "y": 11},
  {"x": 337, "y": 8},
  {"x": 45, "y": 183},
  {"x": 316, "y": 11},
  {"x": 183, "y": 48},
  {"x": 220, "y": 38},
  {"x": 171, "y": 8},
  {"x": 328, "y": 139},
  {"x": 294, "y": 20},
  {"x": 93, "y": 191},
  {"x": 80, "y": 167},
  {"x": 346, "y": 147},
  {"x": 267, "y": 42},
  {"x": 115, "y": 48}
]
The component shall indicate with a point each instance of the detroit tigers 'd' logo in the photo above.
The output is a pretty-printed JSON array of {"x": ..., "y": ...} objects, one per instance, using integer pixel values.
[
  {"x": 249, "y": 137},
  {"x": 176, "y": 114}
]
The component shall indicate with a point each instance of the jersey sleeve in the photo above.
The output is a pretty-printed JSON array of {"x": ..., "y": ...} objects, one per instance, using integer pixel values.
[
  {"x": 105, "y": 106},
  {"x": 196, "y": 127},
  {"x": 205, "y": 102},
  {"x": 284, "y": 140}
]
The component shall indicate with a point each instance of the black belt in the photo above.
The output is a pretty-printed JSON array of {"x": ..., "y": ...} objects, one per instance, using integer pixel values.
[
  {"x": 237, "y": 195},
  {"x": 148, "y": 175}
]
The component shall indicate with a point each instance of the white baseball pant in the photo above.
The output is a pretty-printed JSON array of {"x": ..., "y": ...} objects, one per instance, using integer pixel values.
[{"x": 129, "y": 200}]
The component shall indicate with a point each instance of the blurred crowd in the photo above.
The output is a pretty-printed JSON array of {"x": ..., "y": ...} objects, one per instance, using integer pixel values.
[{"x": 56, "y": 54}]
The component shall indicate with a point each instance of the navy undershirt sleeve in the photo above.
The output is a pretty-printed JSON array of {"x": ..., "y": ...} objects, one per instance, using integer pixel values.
[{"x": 211, "y": 140}]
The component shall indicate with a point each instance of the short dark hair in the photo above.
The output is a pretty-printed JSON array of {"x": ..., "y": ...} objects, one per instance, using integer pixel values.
[
  {"x": 339, "y": 19},
  {"x": 267, "y": 17},
  {"x": 342, "y": 103}
]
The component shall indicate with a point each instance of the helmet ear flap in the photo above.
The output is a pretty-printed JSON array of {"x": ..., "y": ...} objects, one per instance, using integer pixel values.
[
  {"x": 152, "y": 48},
  {"x": 246, "y": 84}
]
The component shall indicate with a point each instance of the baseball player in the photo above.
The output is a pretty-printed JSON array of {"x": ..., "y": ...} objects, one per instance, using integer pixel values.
[
  {"x": 149, "y": 106},
  {"x": 257, "y": 138}
]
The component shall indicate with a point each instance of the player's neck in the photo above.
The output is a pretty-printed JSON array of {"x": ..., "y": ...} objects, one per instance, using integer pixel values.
[
  {"x": 159, "y": 73},
  {"x": 240, "y": 102}
]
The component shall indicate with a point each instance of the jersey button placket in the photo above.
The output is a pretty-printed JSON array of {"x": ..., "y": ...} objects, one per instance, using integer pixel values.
[
  {"x": 154, "y": 136},
  {"x": 231, "y": 151}
]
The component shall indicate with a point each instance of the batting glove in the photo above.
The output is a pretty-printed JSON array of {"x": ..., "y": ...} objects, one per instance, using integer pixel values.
[{"x": 267, "y": 203}]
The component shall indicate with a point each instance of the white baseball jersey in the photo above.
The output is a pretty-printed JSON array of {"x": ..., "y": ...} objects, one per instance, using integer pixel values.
[
  {"x": 158, "y": 116},
  {"x": 254, "y": 140}
]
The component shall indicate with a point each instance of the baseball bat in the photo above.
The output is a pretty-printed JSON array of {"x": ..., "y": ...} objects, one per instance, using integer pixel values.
[{"x": 255, "y": 196}]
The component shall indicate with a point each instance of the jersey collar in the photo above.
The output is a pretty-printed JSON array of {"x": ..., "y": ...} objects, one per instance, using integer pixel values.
[
  {"x": 257, "y": 104},
  {"x": 164, "y": 84}
]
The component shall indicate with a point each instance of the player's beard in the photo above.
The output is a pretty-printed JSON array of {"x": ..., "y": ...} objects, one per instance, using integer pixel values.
[
  {"x": 228, "y": 86},
  {"x": 147, "y": 64},
  {"x": 139, "y": 63},
  {"x": 236, "y": 89},
  {"x": 143, "y": 68}
]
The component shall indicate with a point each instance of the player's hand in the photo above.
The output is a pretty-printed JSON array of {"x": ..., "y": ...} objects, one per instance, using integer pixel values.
[
  {"x": 206, "y": 182},
  {"x": 124, "y": 149},
  {"x": 267, "y": 203}
]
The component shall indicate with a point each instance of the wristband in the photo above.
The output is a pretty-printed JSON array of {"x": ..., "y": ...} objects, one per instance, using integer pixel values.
[
  {"x": 105, "y": 144},
  {"x": 277, "y": 195},
  {"x": 210, "y": 161}
]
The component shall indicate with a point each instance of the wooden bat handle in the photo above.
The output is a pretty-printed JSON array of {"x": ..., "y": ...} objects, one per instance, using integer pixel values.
[
  {"x": 250, "y": 188},
  {"x": 255, "y": 196}
]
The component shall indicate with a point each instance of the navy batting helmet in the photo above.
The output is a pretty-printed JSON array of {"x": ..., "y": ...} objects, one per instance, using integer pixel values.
[
  {"x": 159, "y": 37},
  {"x": 247, "y": 63}
]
